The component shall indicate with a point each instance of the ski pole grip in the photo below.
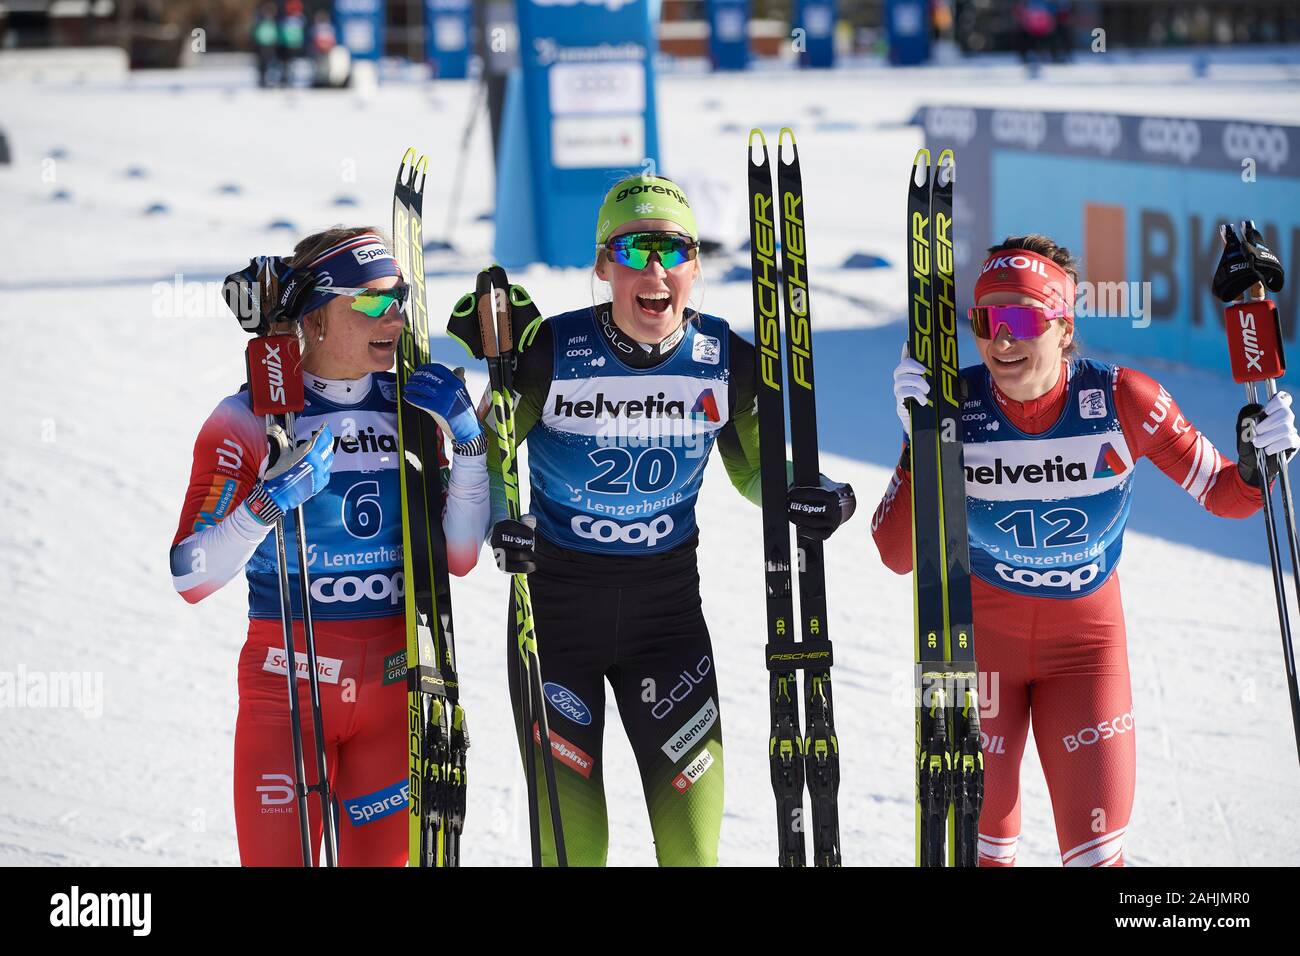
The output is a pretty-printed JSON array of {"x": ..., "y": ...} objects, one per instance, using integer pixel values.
[
  {"x": 1254, "y": 341},
  {"x": 484, "y": 296},
  {"x": 505, "y": 332},
  {"x": 274, "y": 375}
]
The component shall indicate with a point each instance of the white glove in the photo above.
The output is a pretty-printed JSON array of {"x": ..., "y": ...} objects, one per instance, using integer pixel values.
[
  {"x": 1275, "y": 431},
  {"x": 909, "y": 382}
]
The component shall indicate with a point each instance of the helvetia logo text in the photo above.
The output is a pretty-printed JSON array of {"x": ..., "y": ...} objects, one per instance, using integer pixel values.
[
  {"x": 652, "y": 406},
  {"x": 608, "y": 531},
  {"x": 368, "y": 441},
  {"x": 1049, "y": 470},
  {"x": 1075, "y": 579}
]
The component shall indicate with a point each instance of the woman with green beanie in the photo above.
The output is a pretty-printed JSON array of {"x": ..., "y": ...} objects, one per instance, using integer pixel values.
[{"x": 621, "y": 403}]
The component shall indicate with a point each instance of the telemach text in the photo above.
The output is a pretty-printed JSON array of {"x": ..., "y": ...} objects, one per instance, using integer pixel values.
[{"x": 1052, "y": 469}]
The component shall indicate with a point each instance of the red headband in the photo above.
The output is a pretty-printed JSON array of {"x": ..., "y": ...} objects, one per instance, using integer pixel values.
[{"x": 1019, "y": 270}]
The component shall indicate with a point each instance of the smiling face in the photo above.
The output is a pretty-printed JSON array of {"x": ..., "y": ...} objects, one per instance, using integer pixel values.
[
  {"x": 1024, "y": 369},
  {"x": 648, "y": 303},
  {"x": 354, "y": 344}
]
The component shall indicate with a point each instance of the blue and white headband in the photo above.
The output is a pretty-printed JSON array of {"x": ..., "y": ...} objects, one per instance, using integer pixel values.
[{"x": 350, "y": 264}]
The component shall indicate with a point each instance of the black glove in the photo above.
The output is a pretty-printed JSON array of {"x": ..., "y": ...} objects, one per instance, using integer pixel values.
[
  {"x": 463, "y": 325},
  {"x": 1235, "y": 272},
  {"x": 514, "y": 545},
  {"x": 1247, "y": 460},
  {"x": 1262, "y": 257},
  {"x": 286, "y": 291},
  {"x": 818, "y": 511}
]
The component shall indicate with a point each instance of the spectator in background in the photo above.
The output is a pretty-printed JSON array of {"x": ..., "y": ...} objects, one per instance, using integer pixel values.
[
  {"x": 265, "y": 43},
  {"x": 323, "y": 39},
  {"x": 1063, "y": 35},
  {"x": 293, "y": 34},
  {"x": 1035, "y": 26}
]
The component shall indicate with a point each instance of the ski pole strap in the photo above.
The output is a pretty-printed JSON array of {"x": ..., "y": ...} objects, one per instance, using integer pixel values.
[
  {"x": 1254, "y": 341},
  {"x": 805, "y": 654}
]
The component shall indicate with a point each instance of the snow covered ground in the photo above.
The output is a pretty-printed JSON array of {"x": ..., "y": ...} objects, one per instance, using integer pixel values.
[{"x": 112, "y": 365}]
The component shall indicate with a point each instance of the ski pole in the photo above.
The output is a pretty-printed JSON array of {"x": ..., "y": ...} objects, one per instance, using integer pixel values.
[
  {"x": 1255, "y": 349},
  {"x": 276, "y": 396},
  {"x": 328, "y": 818},
  {"x": 498, "y": 348}
]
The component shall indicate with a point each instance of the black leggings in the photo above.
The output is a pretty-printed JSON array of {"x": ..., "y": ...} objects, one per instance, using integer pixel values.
[{"x": 636, "y": 623}]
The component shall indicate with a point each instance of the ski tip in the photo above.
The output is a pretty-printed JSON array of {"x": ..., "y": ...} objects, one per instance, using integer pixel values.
[
  {"x": 921, "y": 169},
  {"x": 408, "y": 157},
  {"x": 757, "y": 133},
  {"x": 781, "y": 145},
  {"x": 947, "y": 167}
]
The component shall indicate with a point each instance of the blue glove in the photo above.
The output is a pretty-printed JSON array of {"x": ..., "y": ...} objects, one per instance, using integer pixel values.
[
  {"x": 439, "y": 391},
  {"x": 298, "y": 474}
]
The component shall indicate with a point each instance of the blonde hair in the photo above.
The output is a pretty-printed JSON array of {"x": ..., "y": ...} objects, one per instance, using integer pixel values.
[{"x": 309, "y": 248}]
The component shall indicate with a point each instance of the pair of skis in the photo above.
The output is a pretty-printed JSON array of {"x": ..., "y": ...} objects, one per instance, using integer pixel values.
[
  {"x": 436, "y": 730},
  {"x": 437, "y": 740},
  {"x": 949, "y": 762},
  {"x": 797, "y": 756}
]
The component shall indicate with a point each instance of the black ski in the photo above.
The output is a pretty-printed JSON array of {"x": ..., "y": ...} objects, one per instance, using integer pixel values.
[
  {"x": 794, "y": 756},
  {"x": 949, "y": 763},
  {"x": 821, "y": 748}
]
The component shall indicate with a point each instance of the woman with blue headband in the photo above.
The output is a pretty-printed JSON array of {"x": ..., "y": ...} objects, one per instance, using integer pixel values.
[{"x": 345, "y": 477}]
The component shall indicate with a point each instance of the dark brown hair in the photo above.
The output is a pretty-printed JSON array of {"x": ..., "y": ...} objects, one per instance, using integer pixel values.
[{"x": 1048, "y": 248}]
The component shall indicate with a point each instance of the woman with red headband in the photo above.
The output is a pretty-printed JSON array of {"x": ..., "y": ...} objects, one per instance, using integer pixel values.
[{"x": 1050, "y": 440}]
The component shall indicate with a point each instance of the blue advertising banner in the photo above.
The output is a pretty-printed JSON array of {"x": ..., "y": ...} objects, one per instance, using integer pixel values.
[
  {"x": 580, "y": 116},
  {"x": 907, "y": 29},
  {"x": 446, "y": 37},
  {"x": 817, "y": 20},
  {"x": 729, "y": 34},
  {"x": 360, "y": 26},
  {"x": 1138, "y": 199}
]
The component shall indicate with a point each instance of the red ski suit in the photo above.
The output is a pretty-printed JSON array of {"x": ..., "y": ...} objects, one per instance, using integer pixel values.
[{"x": 1062, "y": 663}]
